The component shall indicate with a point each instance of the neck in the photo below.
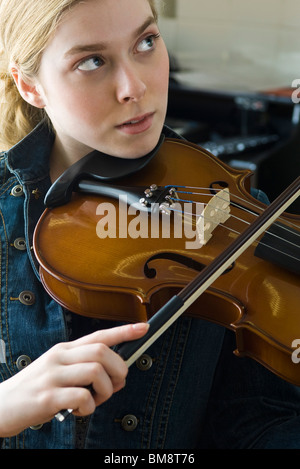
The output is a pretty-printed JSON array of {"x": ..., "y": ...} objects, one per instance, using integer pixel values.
[{"x": 62, "y": 157}]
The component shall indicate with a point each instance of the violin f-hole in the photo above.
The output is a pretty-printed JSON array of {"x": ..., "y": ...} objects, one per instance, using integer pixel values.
[
  {"x": 222, "y": 184},
  {"x": 178, "y": 258}
]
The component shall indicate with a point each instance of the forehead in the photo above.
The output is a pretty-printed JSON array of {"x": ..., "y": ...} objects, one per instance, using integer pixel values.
[{"x": 102, "y": 20}]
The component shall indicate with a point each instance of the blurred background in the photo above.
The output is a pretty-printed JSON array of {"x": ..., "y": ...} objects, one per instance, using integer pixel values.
[{"x": 235, "y": 83}]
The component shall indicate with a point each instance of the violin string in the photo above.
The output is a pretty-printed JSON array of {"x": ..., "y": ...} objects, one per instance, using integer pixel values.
[
  {"x": 218, "y": 209},
  {"x": 237, "y": 218},
  {"x": 257, "y": 207},
  {"x": 284, "y": 227},
  {"x": 261, "y": 210},
  {"x": 238, "y": 233},
  {"x": 204, "y": 218}
]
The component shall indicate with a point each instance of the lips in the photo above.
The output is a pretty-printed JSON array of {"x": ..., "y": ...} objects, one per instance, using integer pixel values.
[{"x": 137, "y": 124}]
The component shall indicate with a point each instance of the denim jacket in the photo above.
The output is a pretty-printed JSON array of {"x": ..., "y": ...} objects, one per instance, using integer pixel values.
[{"x": 168, "y": 390}]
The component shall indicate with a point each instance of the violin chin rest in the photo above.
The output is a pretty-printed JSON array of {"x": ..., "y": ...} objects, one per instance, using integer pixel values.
[{"x": 95, "y": 166}]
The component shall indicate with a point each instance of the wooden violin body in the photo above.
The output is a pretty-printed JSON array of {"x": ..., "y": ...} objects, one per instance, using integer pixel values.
[{"x": 109, "y": 278}]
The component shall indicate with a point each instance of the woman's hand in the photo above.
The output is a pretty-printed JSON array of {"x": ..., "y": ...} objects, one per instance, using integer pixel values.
[{"x": 58, "y": 380}]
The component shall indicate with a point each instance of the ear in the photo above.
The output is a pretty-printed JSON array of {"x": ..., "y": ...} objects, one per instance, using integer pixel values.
[{"x": 28, "y": 89}]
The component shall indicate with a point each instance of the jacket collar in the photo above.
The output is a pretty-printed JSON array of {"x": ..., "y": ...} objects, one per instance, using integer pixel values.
[{"x": 29, "y": 158}]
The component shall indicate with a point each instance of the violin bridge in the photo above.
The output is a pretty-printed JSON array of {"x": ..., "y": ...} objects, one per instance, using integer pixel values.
[{"x": 217, "y": 211}]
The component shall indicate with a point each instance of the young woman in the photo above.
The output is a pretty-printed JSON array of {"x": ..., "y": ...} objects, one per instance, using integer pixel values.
[{"x": 78, "y": 76}]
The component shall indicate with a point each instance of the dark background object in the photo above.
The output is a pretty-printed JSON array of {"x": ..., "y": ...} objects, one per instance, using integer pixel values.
[{"x": 256, "y": 131}]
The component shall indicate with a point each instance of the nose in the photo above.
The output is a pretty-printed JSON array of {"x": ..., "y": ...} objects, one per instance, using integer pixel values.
[{"x": 130, "y": 84}]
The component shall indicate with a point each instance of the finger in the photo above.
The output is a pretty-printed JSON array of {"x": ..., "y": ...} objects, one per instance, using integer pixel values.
[
  {"x": 115, "y": 335},
  {"x": 83, "y": 364},
  {"x": 94, "y": 378},
  {"x": 79, "y": 399},
  {"x": 84, "y": 353}
]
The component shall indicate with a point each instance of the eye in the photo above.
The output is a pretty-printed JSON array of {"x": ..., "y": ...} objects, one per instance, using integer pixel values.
[
  {"x": 90, "y": 64},
  {"x": 147, "y": 43}
]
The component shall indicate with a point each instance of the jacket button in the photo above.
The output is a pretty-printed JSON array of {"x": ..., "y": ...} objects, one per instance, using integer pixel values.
[
  {"x": 36, "y": 427},
  {"x": 22, "y": 362},
  {"x": 129, "y": 423},
  {"x": 144, "y": 362},
  {"x": 17, "y": 191},
  {"x": 27, "y": 298},
  {"x": 20, "y": 244}
]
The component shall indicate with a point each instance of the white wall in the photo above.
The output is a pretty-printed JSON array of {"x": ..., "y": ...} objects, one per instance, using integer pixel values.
[{"x": 235, "y": 44}]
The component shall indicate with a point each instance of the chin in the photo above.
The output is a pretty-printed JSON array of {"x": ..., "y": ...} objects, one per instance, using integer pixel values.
[{"x": 141, "y": 148}]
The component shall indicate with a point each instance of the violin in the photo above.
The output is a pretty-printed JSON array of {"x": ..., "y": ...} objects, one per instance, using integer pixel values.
[{"x": 132, "y": 240}]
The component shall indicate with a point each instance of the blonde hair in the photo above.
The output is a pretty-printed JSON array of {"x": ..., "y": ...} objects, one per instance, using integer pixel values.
[{"x": 25, "y": 29}]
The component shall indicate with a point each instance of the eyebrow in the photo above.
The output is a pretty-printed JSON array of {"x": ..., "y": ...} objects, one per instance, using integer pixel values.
[{"x": 103, "y": 45}]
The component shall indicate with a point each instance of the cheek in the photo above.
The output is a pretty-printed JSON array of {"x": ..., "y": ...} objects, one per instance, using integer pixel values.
[
  {"x": 162, "y": 77},
  {"x": 70, "y": 102}
]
